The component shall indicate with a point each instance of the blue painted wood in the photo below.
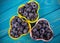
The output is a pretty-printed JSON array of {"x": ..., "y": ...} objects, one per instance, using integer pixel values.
[{"x": 49, "y": 9}]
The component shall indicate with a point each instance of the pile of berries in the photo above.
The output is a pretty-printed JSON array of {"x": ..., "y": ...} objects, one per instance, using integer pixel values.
[
  {"x": 41, "y": 30},
  {"x": 18, "y": 27},
  {"x": 29, "y": 11}
]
